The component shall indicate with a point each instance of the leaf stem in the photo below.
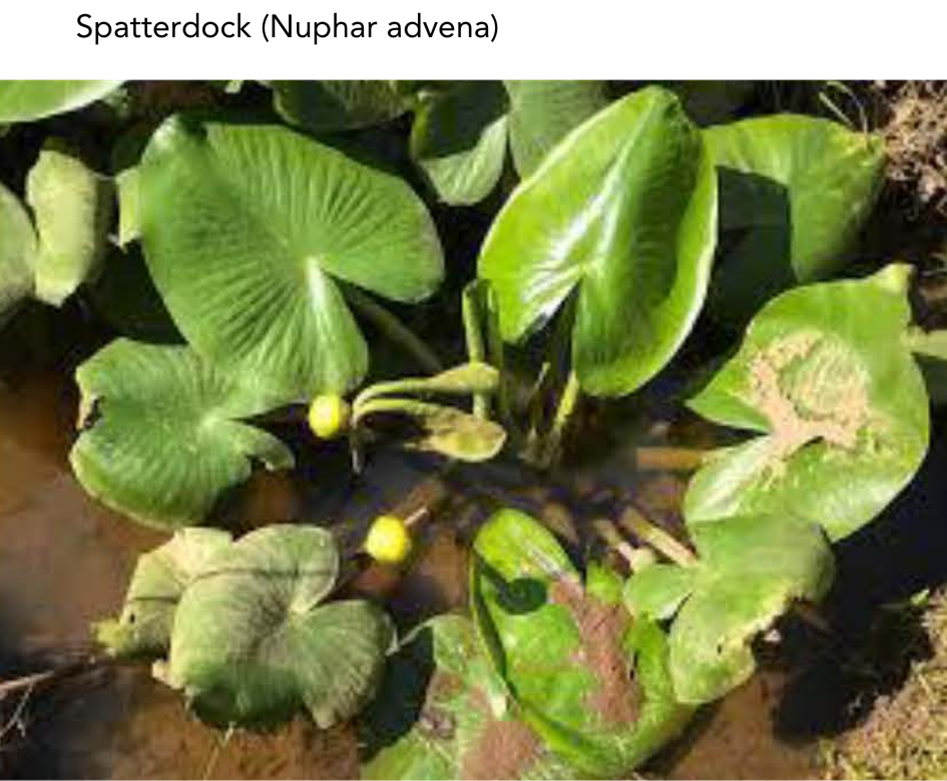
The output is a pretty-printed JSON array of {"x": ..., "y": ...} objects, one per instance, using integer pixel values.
[
  {"x": 394, "y": 329},
  {"x": 476, "y": 349},
  {"x": 637, "y": 558},
  {"x": 568, "y": 402},
  {"x": 634, "y": 521}
]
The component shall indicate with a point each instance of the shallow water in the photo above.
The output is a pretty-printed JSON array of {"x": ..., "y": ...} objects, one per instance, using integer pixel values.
[{"x": 65, "y": 560}]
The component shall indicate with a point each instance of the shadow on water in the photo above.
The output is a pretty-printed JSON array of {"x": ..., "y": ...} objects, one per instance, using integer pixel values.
[{"x": 881, "y": 567}]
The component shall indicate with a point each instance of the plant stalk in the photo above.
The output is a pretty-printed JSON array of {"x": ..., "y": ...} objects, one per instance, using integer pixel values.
[
  {"x": 552, "y": 446},
  {"x": 668, "y": 459},
  {"x": 634, "y": 521},
  {"x": 394, "y": 329},
  {"x": 476, "y": 350}
]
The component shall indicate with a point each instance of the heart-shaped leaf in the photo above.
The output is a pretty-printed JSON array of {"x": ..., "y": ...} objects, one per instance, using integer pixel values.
[
  {"x": 330, "y": 106},
  {"x": 73, "y": 209},
  {"x": 247, "y": 228},
  {"x": 253, "y": 646},
  {"x": 749, "y": 571},
  {"x": 590, "y": 681},
  {"x": 542, "y": 113},
  {"x": 17, "y": 253},
  {"x": 794, "y": 192},
  {"x": 162, "y": 436},
  {"x": 26, "y": 101},
  {"x": 144, "y": 627},
  {"x": 442, "y": 712},
  {"x": 622, "y": 215},
  {"x": 459, "y": 139},
  {"x": 824, "y": 374}
]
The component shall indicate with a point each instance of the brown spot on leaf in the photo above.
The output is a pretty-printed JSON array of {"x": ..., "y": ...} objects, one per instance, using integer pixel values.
[
  {"x": 505, "y": 749},
  {"x": 602, "y": 629},
  {"x": 808, "y": 389}
]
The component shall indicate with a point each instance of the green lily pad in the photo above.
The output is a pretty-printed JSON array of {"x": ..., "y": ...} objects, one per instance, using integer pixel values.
[
  {"x": 459, "y": 139},
  {"x": 592, "y": 682},
  {"x": 330, "y": 106},
  {"x": 252, "y": 644},
  {"x": 143, "y": 629},
  {"x": 17, "y": 253},
  {"x": 73, "y": 207},
  {"x": 443, "y": 713},
  {"x": 825, "y": 376},
  {"x": 26, "y": 101},
  {"x": 621, "y": 215},
  {"x": 794, "y": 192},
  {"x": 749, "y": 571},
  {"x": 542, "y": 113},
  {"x": 247, "y": 230},
  {"x": 162, "y": 434}
]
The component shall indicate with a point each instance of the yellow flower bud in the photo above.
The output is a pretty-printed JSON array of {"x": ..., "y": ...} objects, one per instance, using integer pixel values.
[
  {"x": 389, "y": 540},
  {"x": 329, "y": 416}
]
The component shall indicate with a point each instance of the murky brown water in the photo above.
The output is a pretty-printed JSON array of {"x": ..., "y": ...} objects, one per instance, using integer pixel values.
[{"x": 64, "y": 562}]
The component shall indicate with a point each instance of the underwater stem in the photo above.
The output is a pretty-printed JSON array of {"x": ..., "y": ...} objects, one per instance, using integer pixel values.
[{"x": 668, "y": 459}]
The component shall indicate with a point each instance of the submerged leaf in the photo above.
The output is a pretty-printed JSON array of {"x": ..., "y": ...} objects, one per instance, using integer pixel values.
[
  {"x": 162, "y": 436},
  {"x": 826, "y": 378},
  {"x": 144, "y": 627},
  {"x": 252, "y": 646},
  {"x": 247, "y": 228},
  {"x": 622, "y": 215},
  {"x": 794, "y": 192},
  {"x": 592, "y": 682},
  {"x": 749, "y": 571},
  {"x": 445, "y": 430},
  {"x": 27, "y": 101},
  {"x": 73, "y": 210}
]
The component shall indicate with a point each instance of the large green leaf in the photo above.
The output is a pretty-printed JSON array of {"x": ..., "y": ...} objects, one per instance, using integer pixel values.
[
  {"x": 622, "y": 214},
  {"x": 143, "y": 629},
  {"x": 73, "y": 209},
  {"x": 25, "y": 101},
  {"x": 824, "y": 374},
  {"x": 247, "y": 229},
  {"x": 17, "y": 253},
  {"x": 162, "y": 437},
  {"x": 329, "y": 106},
  {"x": 591, "y": 682},
  {"x": 794, "y": 192},
  {"x": 542, "y": 113},
  {"x": 443, "y": 713},
  {"x": 459, "y": 139},
  {"x": 749, "y": 571},
  {"x": 253, "y": 646}
]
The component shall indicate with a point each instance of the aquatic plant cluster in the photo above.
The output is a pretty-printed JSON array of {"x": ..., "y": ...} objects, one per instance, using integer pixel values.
[{"x": 266, "y": 256}]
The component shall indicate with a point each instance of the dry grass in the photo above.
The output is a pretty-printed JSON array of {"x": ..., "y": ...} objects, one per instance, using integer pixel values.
[{"x": 905, "y": 735}]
